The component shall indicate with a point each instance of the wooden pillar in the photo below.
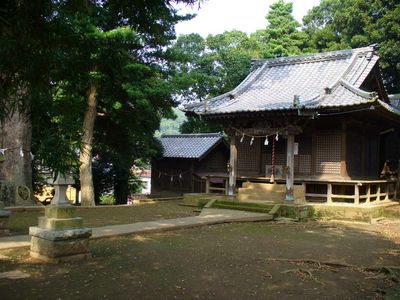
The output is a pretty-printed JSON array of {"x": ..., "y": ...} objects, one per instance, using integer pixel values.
[
  {"x": 207, "y": 185},
  {"x": 368, "y": 194},
  {"x": 232, "y": 166},
  {"x": 290, "y": 168},
  {"x": 329, "y": 194},
  {"x": 343, "y": 155}
]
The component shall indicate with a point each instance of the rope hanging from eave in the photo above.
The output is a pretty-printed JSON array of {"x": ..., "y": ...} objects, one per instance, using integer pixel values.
[{"x": 272, "y": 179}]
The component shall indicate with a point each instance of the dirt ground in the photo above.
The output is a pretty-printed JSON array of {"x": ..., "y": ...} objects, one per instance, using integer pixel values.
[{"x": 265, "y": 260}]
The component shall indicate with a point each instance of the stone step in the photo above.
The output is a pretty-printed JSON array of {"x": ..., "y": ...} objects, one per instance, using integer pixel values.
[
  {"x": 263, "y": 186},
  {"x": 274, "y": 192},
  {"x": 246, "y": 191},
  {"x": 268, "y": 198}
]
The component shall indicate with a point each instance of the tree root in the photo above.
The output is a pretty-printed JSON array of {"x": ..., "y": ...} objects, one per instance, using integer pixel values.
[
  {"x": 388, "y": 271},
  {"x": 303, "y": 272}
]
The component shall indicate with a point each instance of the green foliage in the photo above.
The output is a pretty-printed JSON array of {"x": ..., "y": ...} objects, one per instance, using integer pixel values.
[
  {"x": 209, "y": 67},
  {"x": 196, "y": 125},
  {"x": 281, "y": 37},
  {"x": 337, "y": 24},
  {"x": 107, "y": 200},
  {"x": 56, "y": 50},
  {"x": 171, "y": 126}
]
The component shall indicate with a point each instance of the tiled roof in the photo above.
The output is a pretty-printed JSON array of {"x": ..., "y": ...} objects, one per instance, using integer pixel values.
[
  {"x": 189, "y": 145},
  {"x": 330, "y": 79},
  {"x": 395, "y": 100}
]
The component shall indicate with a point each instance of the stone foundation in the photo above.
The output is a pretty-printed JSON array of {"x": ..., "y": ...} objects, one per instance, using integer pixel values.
[{"x": 60, "y": 236}]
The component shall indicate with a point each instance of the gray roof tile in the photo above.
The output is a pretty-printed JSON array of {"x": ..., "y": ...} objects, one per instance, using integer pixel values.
[
  {"x": 330, "y": 79},
  {"x": 189, "y": 145}
]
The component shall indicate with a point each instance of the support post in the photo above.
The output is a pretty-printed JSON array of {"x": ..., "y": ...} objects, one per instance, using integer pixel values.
[
  {"x": 343, "y": 155},
  {"x": 329, "y": 194},
  {"x": 232, "y": 166},
  {"x": 290, "y": 168},
  {"x": 207, "y": 185},
  {"x": 368, "y": 194}
]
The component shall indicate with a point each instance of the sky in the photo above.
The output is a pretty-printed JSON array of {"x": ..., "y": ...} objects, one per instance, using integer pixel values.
[{"x": 217, "y": 16}]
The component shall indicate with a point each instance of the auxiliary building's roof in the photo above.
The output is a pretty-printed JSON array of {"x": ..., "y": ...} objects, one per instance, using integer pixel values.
[
  {"x": 324, "y": 80},
  {"x": 189, "y": 145}
]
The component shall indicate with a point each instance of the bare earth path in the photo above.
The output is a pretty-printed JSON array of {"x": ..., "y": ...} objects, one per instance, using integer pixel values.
[{"x": 263, "y": 260}]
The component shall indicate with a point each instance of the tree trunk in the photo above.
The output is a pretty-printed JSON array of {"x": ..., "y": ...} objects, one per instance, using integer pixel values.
[
  {"x": 16, "y": 164},
  {"x": 85, "y": 158},
  {"x": 121, "y": 188}
]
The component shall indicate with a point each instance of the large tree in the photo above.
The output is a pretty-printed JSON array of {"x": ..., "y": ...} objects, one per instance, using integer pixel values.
[
  {"x": 84, "y": 53},
  {"x": 24, "y": 41},
  {"x": 282, "y": 35}
]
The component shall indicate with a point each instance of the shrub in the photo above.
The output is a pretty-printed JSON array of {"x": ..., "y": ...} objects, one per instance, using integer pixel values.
[{"x": 107, "y": 199}]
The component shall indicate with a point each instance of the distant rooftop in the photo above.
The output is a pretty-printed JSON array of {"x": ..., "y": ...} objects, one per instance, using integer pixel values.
[{"x": 189, "y": 145}]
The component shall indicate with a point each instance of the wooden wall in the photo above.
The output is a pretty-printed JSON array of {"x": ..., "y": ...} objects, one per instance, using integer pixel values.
[
  {"x": 165, "y": 169},
  {"x": 334, "y": 148},
  {"x": 215, "y": 161}
]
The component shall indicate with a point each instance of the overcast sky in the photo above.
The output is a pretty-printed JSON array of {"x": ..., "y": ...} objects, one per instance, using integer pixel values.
[{"x": 217, "y": 16}]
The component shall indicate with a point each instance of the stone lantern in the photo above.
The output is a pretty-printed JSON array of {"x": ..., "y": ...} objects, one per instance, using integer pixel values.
[{"x": 60, "y": 235}]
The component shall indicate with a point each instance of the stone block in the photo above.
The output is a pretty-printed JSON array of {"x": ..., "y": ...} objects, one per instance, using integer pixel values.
[
  {"x": 60, "y": 211},
  {"x": 60, "y": 224},
  {"x": 60, "y": 250},
  {"x": 58, "y": 235}
]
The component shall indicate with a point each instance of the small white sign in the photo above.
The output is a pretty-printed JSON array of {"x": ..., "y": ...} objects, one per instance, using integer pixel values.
[{"x": 296, "y": 148}]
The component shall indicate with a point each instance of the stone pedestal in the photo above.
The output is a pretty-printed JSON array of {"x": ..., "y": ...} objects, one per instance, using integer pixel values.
[
  {"x": 60, "y": 235},
  {"x": 4, "y": 217}
]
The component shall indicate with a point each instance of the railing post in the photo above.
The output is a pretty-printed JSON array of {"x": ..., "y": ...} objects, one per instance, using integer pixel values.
[
  {"x": 387, "y": 191},
  {"x": 368, "y": 200},
  {"x": 378, "y": 192},
  {"x": 356, "y": 194}
]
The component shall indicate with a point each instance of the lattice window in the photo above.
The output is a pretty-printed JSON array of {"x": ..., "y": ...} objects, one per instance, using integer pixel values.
[
  {"x": 328, "y": 148},
  {"x": 302, "y": 164}
]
